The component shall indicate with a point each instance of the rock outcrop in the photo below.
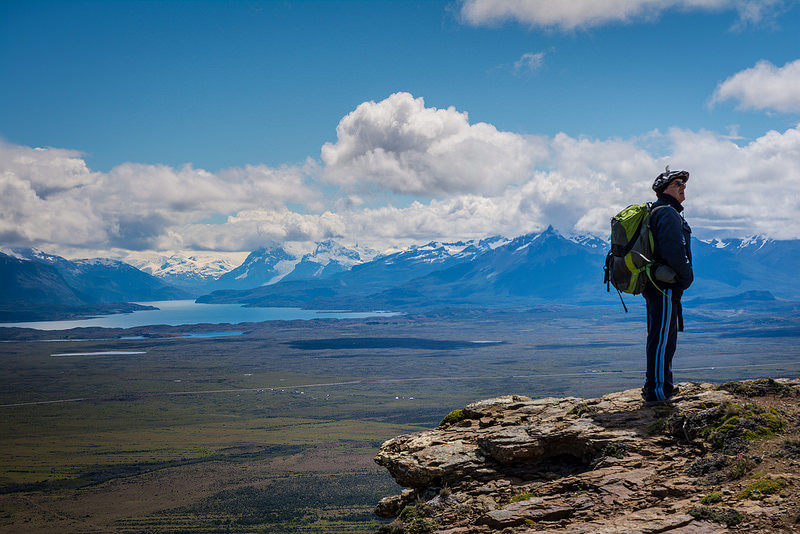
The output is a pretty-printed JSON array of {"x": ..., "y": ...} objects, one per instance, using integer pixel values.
[{"x": 721, "y": 458}]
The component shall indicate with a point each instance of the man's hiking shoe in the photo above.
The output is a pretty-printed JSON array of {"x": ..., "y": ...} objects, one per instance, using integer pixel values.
[
  {"x": 656, "y": 402},
  {"x": 665, "y": 403}
]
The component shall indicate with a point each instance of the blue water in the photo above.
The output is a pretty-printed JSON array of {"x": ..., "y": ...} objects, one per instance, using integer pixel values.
[{"x": 181, "y": 312}]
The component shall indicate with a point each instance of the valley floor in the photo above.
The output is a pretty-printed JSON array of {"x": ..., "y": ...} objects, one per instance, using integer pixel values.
[{"x": 274, "y": 430}]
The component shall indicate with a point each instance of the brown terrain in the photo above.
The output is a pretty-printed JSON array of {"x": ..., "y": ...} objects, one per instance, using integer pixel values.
[{"x": 723, "y": 458}]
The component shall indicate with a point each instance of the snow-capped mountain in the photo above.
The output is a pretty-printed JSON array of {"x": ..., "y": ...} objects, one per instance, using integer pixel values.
[
  {"x": 753, "y": 242},
  {"x": 263, "y": 266},
  {"x": 537, "y": 265},
  {"x": 437, "y": 252},
  {"x": 391, "y": 270},
  {"x": 382, "y": 272},
  {"x": 782, "y": 255},
  {"x": 83, "y": 281},
  {"x": 590, "y": 241},
  {"x": 274, "y": 263},
  {"x": 436, "y": 273},
  {"x": 33, "y": 282},
  {"x": 191, "y": 270},
  {"x": 328, "y": 259}
]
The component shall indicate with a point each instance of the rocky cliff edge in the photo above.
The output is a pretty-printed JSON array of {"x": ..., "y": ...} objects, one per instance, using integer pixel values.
[{"x": 723, "y": 458}]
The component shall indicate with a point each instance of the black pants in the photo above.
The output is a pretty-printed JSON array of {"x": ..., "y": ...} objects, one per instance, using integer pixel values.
[{"x": 662, "y": 337}]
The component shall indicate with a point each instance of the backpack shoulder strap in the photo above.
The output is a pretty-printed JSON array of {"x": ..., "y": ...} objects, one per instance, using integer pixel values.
[
  {"x": 655, "y": 209},
  {"x": 652, "y": 210}
]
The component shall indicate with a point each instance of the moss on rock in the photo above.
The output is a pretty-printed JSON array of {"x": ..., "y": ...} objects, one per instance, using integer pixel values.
[
  {"x": 761, "y": 487},
  {"x": 453, "y": 417}
]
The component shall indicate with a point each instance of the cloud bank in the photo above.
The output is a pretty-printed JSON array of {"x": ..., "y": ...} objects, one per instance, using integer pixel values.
[
  {"x": 464, "y": 180},
  {"x": 50, "y": 197}
]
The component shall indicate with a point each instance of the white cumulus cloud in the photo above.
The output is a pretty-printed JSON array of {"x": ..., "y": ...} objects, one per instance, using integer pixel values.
[
  {"x": 402, "y": 146},
  {"x": 742, "y": 190},
  {"x": 46, "y": 170},
  {"x": 42, "y": 199},
  {"x": 764, "y": 86}
]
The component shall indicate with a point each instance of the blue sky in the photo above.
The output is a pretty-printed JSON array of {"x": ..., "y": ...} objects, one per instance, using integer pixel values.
[{"x": 159, "y": 125}]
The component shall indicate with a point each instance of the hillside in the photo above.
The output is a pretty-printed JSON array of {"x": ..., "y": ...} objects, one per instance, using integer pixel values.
[
  {"x": 723, "y": 459},
  {"x": 38, "y": 286}
]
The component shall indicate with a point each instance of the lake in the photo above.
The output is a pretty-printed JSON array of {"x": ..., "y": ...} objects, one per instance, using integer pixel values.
[{"x": 180, "y": 312}]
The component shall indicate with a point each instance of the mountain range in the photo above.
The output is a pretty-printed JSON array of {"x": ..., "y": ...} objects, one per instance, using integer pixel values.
[
  {"x": 538, "y": 267},
  {"x": 534, "y": 268},
  {"x": 269, "y": 265}
]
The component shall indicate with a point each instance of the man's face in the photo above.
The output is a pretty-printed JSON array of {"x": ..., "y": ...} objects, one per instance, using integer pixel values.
[{"x": 677, "y": 190}]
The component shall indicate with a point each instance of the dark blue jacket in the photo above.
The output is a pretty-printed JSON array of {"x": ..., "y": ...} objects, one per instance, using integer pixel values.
[{"x": 672, "y": 239}]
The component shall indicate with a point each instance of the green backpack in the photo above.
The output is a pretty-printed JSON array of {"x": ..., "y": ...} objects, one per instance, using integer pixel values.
[{"x": 630, "y": 260}]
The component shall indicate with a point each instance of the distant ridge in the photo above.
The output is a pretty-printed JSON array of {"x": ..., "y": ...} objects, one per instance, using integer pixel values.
[
  {"x": 541, "y": 267},
  {"x": 537, "y": 267},
  {"x": 753, "y": 297}
]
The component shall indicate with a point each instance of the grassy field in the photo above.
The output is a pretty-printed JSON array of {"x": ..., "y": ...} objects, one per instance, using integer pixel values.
[{"x": 274, "y": 430}]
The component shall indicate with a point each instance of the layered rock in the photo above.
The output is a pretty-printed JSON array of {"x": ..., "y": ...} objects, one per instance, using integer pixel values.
[{"x": 516, "y": 464}]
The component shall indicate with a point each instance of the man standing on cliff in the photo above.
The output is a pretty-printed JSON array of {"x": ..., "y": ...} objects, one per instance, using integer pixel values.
[{"x": 672, "y": 252}]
